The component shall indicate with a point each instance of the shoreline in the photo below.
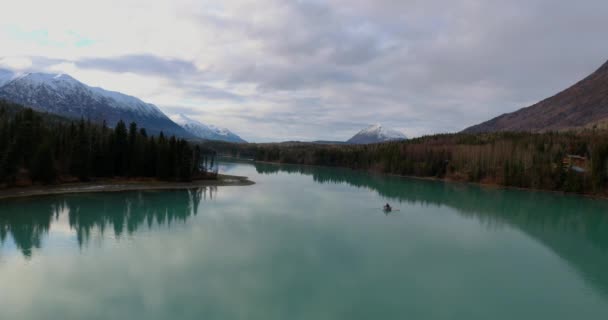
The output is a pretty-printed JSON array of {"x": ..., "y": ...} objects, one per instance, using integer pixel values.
[
  {"x": 602, "y": 197},
  {"x": 120, "y": 185}
]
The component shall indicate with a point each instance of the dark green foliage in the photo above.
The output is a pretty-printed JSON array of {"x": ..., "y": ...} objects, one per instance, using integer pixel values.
[
  {"x": 120, "y": 149},
  {"x": 527, "y": 160},
  {"x": 599, "y": 165},
  {"x": 44, "y": 169},
  {"x": 46, "y": 149}
]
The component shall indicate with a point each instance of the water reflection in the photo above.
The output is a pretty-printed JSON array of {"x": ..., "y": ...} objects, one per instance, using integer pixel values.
[
  {"x": 28, "y": 221},
  {"x": 574, "y": 228},
  {"x": 292, "y": 248}
]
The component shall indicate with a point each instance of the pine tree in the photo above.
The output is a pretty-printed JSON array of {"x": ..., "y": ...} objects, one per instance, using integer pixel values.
[
  {"x": 44, "y": 169},
  {"x": 47, "y": 149},
  {"x": 121, "y": 149}
]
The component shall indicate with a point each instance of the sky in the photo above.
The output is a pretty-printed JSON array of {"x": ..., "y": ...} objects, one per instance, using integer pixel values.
[{"x": 274, "y": 70}]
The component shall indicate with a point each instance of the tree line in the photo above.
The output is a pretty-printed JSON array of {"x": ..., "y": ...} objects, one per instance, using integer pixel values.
[
  {"x": 527, "y": 160},
  {"x": 41, "y": 148}
]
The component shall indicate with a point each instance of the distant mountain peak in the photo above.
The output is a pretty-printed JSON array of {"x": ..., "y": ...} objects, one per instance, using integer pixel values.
[
  {"x": 376, "y": 133},
  {"x": 204, "y": 131},
  {"x": 48, "y": 80},
  {"x": 373, "y": 128},
  {"x": 61, "y": 94}
]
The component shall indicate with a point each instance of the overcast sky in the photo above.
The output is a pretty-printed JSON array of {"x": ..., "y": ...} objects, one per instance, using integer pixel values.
[{"x": 303, "y": 70}]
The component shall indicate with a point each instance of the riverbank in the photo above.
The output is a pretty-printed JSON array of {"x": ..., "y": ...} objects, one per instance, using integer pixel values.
[
  {"x": 595, "y": 196},
  {"x": 120, "y": 185}
]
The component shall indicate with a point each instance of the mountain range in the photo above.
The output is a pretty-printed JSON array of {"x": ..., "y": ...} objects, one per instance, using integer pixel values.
[
  {"x": 376, "y": 133},
  {"x": 209, "y": 132},
  {"x": 585, "y": 104},
  {"x": 63, "y": 95}
]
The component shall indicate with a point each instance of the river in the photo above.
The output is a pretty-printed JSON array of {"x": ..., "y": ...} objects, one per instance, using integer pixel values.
[{"x": 305, "y": 243}]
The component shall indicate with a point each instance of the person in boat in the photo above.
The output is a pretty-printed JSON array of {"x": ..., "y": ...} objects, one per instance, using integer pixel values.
[{"x": 387, "y": 208}]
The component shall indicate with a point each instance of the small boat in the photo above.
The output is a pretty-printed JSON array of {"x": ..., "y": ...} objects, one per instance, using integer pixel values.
[{"x": 387, "y": 208}]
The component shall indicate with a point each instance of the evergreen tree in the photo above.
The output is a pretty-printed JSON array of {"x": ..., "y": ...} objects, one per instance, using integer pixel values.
[
  {"x": 121, "y": 149},
  {"x": 45, "y": 149},
  {"x": 45, "y": 170}
]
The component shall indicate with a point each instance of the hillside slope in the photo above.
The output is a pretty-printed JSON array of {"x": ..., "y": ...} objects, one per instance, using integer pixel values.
[{"x": 583, "y": 104}]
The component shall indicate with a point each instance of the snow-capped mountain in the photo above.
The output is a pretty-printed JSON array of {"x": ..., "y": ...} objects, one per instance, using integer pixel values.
[
  {"x": 6, "y": 76},
  {"x": 203, "y": 131},
  {"x": 63, "y": 95},
  {"x": 375, "y": 134}
]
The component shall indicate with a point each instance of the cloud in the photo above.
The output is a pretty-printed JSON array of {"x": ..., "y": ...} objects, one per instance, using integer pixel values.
[
  {"x": 285, "y": 70},
  {"x": 144, "y": 64},
  {"x": 211, "y": 93},
  {"x": 15, "y": 63}
]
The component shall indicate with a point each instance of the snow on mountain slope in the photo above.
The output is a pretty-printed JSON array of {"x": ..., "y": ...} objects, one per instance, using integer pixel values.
[
  {"x": 209, "y": 132},
  {"x": 63, "y": 95},
  {"x": 119, "y": 100},
  {"x": 55, "y": 81},
  {"x": 197, "y": 128},
  {"x": 6, "y": 76},
  {"x": 375, "y": 134}
]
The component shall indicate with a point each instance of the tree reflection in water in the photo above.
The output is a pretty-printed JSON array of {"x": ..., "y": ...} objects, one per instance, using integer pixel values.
[
  {"x": 573, "y": 227},
  {"x": 27, "y": 221}
]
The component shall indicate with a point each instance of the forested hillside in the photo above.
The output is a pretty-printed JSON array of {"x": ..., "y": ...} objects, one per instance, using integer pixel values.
[
  {"x": 40, "y": 148},
  {"x": 573, "y": 162}
]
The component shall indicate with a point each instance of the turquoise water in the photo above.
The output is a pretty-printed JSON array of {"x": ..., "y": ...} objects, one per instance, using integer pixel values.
[{"x": 305, "y": 243}]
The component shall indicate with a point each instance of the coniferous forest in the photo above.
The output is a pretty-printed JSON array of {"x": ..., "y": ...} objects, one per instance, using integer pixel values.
[
  {"x": 42, "y": 148},
  {"x": 559, "y": 161}
]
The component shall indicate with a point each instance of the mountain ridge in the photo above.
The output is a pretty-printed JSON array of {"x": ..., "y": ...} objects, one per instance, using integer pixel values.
[
  {"x": 63, "y": 95},
  {"x": 580, "y": 105},
  {"x": 204, "y": 131}
]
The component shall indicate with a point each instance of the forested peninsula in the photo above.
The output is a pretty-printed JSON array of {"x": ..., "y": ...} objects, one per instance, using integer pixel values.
[{"x": 44, "y": 149}]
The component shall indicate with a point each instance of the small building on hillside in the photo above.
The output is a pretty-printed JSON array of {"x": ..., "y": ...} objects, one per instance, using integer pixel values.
[{"x": 576, "y": 163}]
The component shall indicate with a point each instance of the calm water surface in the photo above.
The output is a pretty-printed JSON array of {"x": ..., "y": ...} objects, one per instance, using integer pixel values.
[{"x": 305, "y": 243}]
